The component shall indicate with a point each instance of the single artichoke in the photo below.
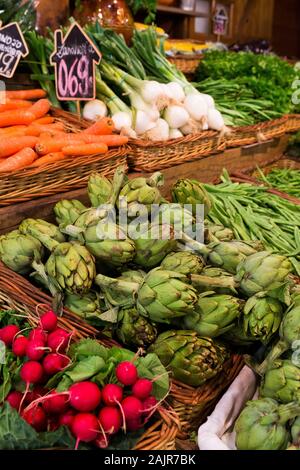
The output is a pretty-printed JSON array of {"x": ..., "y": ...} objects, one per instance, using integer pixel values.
[
  {"x": 225, "y": 255},
  {"x": 41, "y": 227},
  {"x": 262, "y": 425},
  {"x": 18, "y": 252},
  {"x": 108, "y": 243},
  {"x": 70, "y": 267},
  {"x": 191, "y": 192},
  {"x": 67, "y": 211},
  {"x": 236, "y": 336},
  {"x": 192, "y": 359},
  {"x": 265, "y": 272},
  {"x": 99, "y": 189},
  {"x": 153, "y": 245},
  {"x": 217, "y": 233},
  {"x": 289, "y": 333},
  {"x": 281, "y": 382},
  {"x": 183, "y": 262},
  {"x": 165, "y": 295},
  {"x": 73, "y": 267},
  {"x": 134, "y": 329},
  {"x": 87, "y": 307},
  {"x": 262, "y": 317},
  {"x": 214, "y": 314},
  {"x": 141, "y": 191}
]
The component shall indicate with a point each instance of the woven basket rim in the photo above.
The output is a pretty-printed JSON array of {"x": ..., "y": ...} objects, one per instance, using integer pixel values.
[{"x": 180, "y": 140}]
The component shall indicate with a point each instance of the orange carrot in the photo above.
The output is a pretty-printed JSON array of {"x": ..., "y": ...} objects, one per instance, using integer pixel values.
[
  {"x": 109, "y": 140},
  {"x": 84, "y": 149},
  {"x": 40, "y": 108},
  {"x": 14, "y": 104},
  {"x": 19, "y": 160},
  {"x": 12, "y": 130},
  {"x": 43, "y": 147},
  {"x": 37, "y": 129},
  {"x": 13, "y": 145},
  {"x": 44, "y": 120},
  {"x": 26, "y": 94},
  {"x": 49, "y": 158},
  {"x": 16, "y": 117},
  {"x": 103, "y": 127}
]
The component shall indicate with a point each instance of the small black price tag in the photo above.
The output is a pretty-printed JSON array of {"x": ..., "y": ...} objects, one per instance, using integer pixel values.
[
  {"x": 74, "y": 60},
  {"x": 12, "y": 47}
]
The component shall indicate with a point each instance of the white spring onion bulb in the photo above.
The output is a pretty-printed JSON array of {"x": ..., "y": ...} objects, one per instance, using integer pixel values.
[
  {"x": 152, "y": 91},
  {"x": 143, "y": 122},
  {"x": 175, "y": 91},
  {"x": 122, "y": 119},
  {"x": 94, "y": 110},
  {"x": 192, "y": 127},
  {"x": 160, "y": 132},
  {"x": 176, "y": 116},
  {"x": 175, "y": 134},
  {"x": 215, "y": 120},
  {"x": 196, "y": 106},
  {"x": 209, "y": 100}
]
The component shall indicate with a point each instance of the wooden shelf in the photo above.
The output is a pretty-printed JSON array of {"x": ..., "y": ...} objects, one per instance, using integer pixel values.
[{"x": 180, "y": 11}]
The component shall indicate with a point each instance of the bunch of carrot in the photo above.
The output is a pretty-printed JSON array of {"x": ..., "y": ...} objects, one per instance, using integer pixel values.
[{"x": 29, "y": 136}]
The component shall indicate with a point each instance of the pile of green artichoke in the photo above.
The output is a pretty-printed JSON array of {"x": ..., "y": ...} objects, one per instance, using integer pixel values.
[{"x": 191, "y": 303}]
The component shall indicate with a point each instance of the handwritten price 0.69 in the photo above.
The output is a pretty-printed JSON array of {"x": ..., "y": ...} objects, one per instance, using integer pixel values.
[{"x": 74, "y": 82}]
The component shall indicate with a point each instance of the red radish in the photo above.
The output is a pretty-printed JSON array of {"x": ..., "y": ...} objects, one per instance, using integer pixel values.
[
  {"x": 102, "y": 441},
  {"x": 132, "y": 408},
  {"x": 110, "y": 419},
  {"x": 31, "y": 372},
  {"x": 36, "y": 417},
  {"x": 53, "y": 424},
  {"x": 142, "y": 388},
  {"x": 67, "y": 418},
  {"x": 49, "y": 321},
  {"x": 7, "y": 334},
  {"x": 149, "y": 405},
  {"x": 56, "y": 404},
  {"x": 19, "y": 346},
  {"x": 112, "y": 394},
  {"x": 36, "y": 393},
  {"x": 85, "y": 427},
  {"x": 126, "y": 373},
  {"x": 14, "y": 399},
  {"x": 37, "y": 334},
  {"x": 85, "y": 396},
  {"x": 58, "y": 340},
  {"x": 53, "y": 363},
  {"x": 35, "y": 350},
  {"x": 133, "y": 424},
  {"x": 65, "y": 360}
]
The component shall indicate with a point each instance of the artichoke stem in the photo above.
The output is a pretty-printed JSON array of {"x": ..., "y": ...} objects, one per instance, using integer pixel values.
[
  {"x": 156, "y": 180},
  {"x": 40, "y": 269},
  {"x": 195, "y": 246},
  {"x": 121, "y": 286},
  {"x": 288, "y": 411},
  {"x": 118, "y": 182},
  {"x": 72, "y": 231},
  {"x": 219, "y": 282},
  {"x": 279, "y": 348},
  {"x": 47, "y": 241}
]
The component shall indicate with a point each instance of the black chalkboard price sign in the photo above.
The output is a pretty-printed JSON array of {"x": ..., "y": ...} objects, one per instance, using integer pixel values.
[
  {"x": 74, "y": 60},
  {"x": 12, "y": 48}
]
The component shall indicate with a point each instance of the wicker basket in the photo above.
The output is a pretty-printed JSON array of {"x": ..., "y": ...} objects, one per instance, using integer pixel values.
[
  {"x": 18, "y": 294},
  {"x": 153, "y": 156},
  {"x": 66, "y": 175},
  {"x": 293, "y": 123},
  {"x": 247, "y": 135},
  {"x": 187, "y": 64},
  {"x": 194, "y": 404}
]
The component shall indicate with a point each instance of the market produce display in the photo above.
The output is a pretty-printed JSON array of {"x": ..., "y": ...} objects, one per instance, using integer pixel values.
[
  {"x": 30, "y": 137},
  {"x": 78, "y": 395}
]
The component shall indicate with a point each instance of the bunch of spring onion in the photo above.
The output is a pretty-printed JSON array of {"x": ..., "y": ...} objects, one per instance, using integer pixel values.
[{"x": 161, "y": 109}]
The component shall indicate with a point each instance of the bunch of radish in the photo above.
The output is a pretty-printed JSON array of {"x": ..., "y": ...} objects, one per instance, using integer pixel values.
[{"x": 92, "y": 414}]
